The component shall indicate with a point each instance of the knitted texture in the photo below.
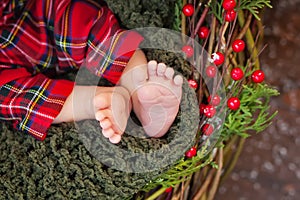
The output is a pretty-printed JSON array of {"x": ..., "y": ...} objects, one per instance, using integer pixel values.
[{"x": 61, "y": 167}]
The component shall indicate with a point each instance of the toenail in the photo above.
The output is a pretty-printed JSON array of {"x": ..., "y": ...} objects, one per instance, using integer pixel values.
[
  {"x": 115, "y": 139},
  {"x": 108, "y": 133},
  {"x": 104, "y": 124},
  {"x": 152, "y": 62},
  {"x": 178, "y": 80},
  {"x": 169, "y": 72}
]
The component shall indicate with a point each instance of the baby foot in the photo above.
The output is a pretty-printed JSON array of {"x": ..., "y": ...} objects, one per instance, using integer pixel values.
[
  {"x": 156, "y": 99},
  {"x": 113, "y": 110}
]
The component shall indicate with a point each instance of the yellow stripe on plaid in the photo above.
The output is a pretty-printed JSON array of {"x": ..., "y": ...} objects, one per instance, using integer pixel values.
[
  {"x": 16, "y": 90},
  {"x": 47, "y": 6},
  {"x": 13, "y": 5},
  {"x": 66, "y": 28},
  {"x": 64, "y": 44},
  {"x": 47, "y": 62},
  {"x": 68, "y": 44},
  {"x": 15, "y": 31},
  {"x": 107, "y": 55},
  {"x": 39, "y": 95}
]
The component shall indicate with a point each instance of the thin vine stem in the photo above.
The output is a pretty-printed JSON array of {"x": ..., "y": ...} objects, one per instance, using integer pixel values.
[
  {"x": 183, "y": 23},
  {"x": 200, "y": 21},
  {"x": 157, "y": 194},
  {"x": 234, "y": 160},
  {"x": 205, "y": 185},
  {"x": 249, "y": 39},
  {"x": 215, "y": 183}
]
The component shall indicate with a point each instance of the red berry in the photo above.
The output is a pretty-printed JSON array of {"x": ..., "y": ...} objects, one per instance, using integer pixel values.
[
  {"x": 188, "y": 50},
  {"x": 191, "y": 153},
  {"x": 233, "y": 103},
  {"x": 218, "y": 58},
  {"x": 230, "y": 15},
  {"x": 188, "y": 10},
  {"x": 201, "y": 108},
  {"x": 211, "y": 71},
  {"x": 214, "y": 101},
  {"x": 237, "y": 74},
  {"x": 209, "y": 111},
  {"x": 193, "y": 83},
  {"x": 238, "y": 45},
  {"x": 228, "y": 4},
  {"x": 258, "y": 76},
  {"x": 169, "y": 189},
  {"x": 203, "y": 32},
  {"x": 207, "y": 129}
]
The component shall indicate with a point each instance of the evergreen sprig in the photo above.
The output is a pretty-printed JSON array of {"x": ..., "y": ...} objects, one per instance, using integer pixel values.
[
  {"x": 254, "y": 6},
  {"x": 216, "y": 9},
  {"x": 182, "y": 170},
  {"x": 254, "y": 113},
  {"x": 177, "y": 16}
]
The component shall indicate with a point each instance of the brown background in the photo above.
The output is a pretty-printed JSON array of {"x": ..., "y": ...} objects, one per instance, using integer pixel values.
[{"x": 269, "y": 167}]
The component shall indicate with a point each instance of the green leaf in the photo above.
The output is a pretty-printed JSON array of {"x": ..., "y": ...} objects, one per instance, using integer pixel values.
[{"x": 254, "y": 6}]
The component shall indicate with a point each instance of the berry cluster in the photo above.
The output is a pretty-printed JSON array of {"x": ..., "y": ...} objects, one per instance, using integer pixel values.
[
  {"x": 230, "y": 13},
  {"x": 218, "y": 62}
]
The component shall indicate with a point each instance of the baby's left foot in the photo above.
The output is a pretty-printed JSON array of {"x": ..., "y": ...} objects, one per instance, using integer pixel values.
[
  {"x": 113, "y": 110},
  {"x": 156, "y": 100}
]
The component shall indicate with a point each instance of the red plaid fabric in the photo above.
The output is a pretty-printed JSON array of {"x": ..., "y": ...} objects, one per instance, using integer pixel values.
[{"x": 38, "y": 37}]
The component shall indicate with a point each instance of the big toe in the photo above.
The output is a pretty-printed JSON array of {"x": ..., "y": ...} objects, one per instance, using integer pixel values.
[{"x": 152, "y": 68}]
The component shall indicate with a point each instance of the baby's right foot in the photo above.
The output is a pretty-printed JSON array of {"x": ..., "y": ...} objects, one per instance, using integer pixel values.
[
  {"x": 156, "y": 100},
  {"x": 112, "y": 112}
]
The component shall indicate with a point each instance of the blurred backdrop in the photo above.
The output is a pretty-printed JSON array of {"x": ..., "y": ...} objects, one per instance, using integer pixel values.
[{"x": 269, "y": 166}]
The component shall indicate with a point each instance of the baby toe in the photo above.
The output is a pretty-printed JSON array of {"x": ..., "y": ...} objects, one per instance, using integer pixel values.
[
  {"x": 108, "y": 133},
  {"x": 101, "y": 115},
  {"x": 115, "y": 139},
  {"x": 161, "y": 69},
  {"x": 178, "y": 80},
  {"x": 152, "y": 67},
  {"x": 105, "y": 124},
  {"x": 169, "y": 73}
]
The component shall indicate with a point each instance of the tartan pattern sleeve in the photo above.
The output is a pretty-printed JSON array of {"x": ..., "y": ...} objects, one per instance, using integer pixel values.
[
  {"x": 38, "y": 37},
  {"x": 33, "y": 102}
]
